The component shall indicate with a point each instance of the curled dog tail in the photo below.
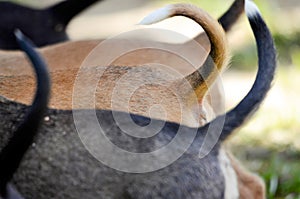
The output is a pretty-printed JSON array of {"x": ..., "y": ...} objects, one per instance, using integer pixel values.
[
  {"x": 66, "y": 10},
  {"x": 203, "y": 77},
  {"x": 232, "y": 14},
  {"x": 13, "y": 152},
  {"x": 267, "y": 65},
  {"x": 227, "y": 20}
]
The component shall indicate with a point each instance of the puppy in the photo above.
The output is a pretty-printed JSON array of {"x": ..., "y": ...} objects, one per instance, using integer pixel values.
[
  {"x": 12, "y": 154},
  {"x": 44, "y": 26},
  {"x": 58, "y": 151}
]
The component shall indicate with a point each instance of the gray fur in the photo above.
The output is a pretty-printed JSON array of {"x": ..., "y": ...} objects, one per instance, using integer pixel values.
[
  {"x": 58, "y": 165},
  {"x": 22, "y": 137}
]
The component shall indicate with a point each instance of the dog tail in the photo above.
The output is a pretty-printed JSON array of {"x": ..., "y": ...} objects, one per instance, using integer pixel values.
[
  {"x": 232, "y": 14},
  {"x": 203, "y": 77},
  {"x": 13, "y": 152},
  {"x": 267, "y": 65},
  {"x": 66, "y": 10},
  {"x": 227, "y": 20}
]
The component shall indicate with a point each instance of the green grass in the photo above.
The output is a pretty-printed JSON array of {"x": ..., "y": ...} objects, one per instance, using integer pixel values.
[
  {"x": 270, "y": 143},
  {"x": 280, "y": 170}
]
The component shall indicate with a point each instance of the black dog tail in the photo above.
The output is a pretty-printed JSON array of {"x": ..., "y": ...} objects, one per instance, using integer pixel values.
[
  {"x": 13, "y": 152},
  {"x": 232, "y": 14},
  {"x": 66, "y": 10},
  {"x": 267, "y": 65}
]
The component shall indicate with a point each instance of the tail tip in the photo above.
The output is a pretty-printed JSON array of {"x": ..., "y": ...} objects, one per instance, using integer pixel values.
[
  {"x": 19, "y": 35},
  {"x": 156, "y": 16},
  {"x": 251, "y": 9}
]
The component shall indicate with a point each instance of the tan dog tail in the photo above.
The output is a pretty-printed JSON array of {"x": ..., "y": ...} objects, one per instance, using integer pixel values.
[
  {"x": 236, "y": 117},
  {"x": 227, "y": 20},
  {"x": 204, "y": 76}
]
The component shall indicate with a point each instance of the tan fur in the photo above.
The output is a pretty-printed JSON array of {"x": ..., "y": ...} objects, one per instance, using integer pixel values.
[
  {"x": 65, "y": 59},
  {"x": 63, "y": 56},
  {"x": 250, "y": 185},
  {"x": 219, "y": 52},
  {"x": 68, "y": 56},
  {"x": 17, "y": 82}
]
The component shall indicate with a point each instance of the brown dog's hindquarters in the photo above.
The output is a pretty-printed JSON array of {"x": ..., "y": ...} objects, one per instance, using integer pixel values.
[
  {"x": 12, "y": 154},
  {"x": 64, "y": 61},
  {"x": 196, "y": 185},
  {"x": 66, "y": 169},
  {"x": 202, "y": 78}
]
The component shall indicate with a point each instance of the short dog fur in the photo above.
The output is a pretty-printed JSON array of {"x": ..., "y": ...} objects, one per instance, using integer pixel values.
[
  {"x": 188, "y": 177},
  {"x": 65, "y": 59},
  {"x": 12, "y": 154},
  {"x": 59, "y": 56}
]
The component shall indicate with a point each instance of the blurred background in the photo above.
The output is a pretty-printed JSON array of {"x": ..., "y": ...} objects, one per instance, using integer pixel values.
[{"x": 270, "y": 142}]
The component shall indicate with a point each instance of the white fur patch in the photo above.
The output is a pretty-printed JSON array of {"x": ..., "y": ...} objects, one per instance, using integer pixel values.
[
  {"x": 231, "y": 183},
  {"x": 251, "y": 8},
  {"x": 19, "y": 34},
  {"x": 157, "y": 16}
]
